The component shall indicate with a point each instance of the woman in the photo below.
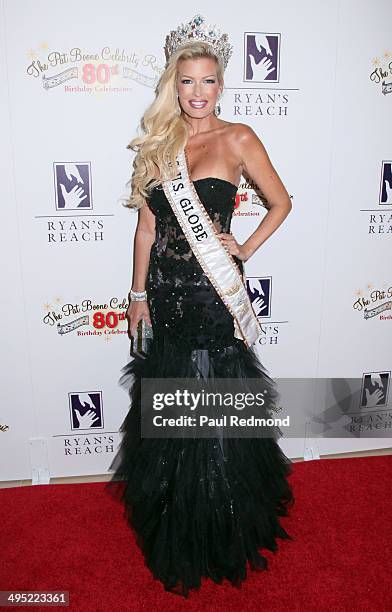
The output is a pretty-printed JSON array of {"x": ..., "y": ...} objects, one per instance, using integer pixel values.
[{"x": 203, "y": 506}]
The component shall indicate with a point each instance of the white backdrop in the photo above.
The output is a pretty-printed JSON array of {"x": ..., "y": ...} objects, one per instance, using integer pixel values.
[{"x": 76, "y": 80}]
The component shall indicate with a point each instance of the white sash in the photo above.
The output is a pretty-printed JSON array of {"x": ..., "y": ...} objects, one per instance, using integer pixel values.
[{"x": 217, "y": 263}]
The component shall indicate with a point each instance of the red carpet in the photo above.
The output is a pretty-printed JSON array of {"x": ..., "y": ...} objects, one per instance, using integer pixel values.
[{"x": 73, "y": 537}]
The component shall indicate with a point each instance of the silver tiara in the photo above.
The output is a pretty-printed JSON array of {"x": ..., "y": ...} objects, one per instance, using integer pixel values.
[{"x": 198, "y": 30}]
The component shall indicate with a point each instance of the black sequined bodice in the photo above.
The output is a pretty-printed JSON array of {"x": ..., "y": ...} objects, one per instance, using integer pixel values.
[{"x": 181, "y": 298}]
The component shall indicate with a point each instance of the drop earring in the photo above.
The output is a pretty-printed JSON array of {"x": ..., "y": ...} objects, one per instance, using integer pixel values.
[
  {"x": 178, "y": 102},
  {"x": 217, "y": 109}
]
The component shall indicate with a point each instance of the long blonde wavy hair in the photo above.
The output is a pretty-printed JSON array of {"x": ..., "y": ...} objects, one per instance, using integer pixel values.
[{"x": 165, "y": 130}]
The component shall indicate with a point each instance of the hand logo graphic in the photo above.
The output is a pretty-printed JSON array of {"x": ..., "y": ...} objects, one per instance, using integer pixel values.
[
  {"x": 388, "y": 189},
  {"x": 86, "y": 420},
  {"x": 261, "y": 42},
  {"x": 373, "y": 397},
  {"x": 258, "y": 305},
  {"x": 72, "y": 198},
  {"x": 71, "y": 170},
  {"x": 261, "y": 70}
]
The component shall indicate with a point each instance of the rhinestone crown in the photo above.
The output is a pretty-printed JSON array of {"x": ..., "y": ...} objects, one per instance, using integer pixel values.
[{"x": 198, "y": 30}]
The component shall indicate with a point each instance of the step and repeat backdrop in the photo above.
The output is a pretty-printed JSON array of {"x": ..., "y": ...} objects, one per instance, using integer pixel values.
[{"x": 314, "y": 80}]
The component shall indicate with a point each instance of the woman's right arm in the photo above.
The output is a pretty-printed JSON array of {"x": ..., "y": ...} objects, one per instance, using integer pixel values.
[{"x": 144, "y": 238}]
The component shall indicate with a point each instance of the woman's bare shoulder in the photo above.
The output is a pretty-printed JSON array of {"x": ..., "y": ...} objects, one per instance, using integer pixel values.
[{"x": 239, "y": 131}]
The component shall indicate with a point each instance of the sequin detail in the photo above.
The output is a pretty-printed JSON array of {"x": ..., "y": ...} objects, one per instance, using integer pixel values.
[{"x": 181, "y": 298}]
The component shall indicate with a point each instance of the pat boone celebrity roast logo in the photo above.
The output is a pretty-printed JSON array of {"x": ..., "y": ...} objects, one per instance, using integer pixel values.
[
  {"x": 250, "y": 200},
  {"x": 374, "y": 302},
  {"x": 98, "y": 72},
  {"x": 381, "y": 72},
  {"x": 87, "y": 318}
]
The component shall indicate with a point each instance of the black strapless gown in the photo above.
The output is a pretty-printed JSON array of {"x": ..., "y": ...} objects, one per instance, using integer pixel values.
[{"x": 196, "y": 510}]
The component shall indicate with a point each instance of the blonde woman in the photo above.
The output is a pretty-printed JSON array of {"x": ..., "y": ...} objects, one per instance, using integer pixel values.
[{"x": 204, "y": 506}]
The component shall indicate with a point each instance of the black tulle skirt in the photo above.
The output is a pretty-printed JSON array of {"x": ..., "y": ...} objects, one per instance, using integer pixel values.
[{"x": 200, "y": 506}]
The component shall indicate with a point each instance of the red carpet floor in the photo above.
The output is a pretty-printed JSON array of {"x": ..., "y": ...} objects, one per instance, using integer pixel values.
[{"x": 74, "y": 537}]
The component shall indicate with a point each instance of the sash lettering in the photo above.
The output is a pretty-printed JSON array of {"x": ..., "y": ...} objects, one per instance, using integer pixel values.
[{"x": 207, "y": 247}]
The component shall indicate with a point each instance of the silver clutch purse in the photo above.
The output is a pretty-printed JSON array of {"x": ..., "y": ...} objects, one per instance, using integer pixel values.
[{"x": 140, "y": 343}]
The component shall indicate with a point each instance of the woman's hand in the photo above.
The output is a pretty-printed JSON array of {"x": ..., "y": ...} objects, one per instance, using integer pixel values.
[
  {"x": 136, "y": 311},
  {"x": 231, "y": 245}
]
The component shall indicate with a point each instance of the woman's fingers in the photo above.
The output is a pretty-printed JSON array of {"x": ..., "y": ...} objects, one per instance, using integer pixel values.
[
  {"x": 138, "y": 312},
  {"x": 133, "y": 326},
  {"x": 229, "y": 242},
  {"x": 147, "y": 319}
]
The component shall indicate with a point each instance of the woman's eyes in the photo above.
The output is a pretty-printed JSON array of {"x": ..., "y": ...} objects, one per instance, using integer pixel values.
[{"x": 207, "y": 80}]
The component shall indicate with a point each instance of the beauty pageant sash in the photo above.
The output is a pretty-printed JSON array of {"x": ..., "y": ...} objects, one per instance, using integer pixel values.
[{"x": 218, "y": 265}]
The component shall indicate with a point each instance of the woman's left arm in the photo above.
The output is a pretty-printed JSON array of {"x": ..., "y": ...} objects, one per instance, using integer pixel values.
[{"x": 257, "y": 165}]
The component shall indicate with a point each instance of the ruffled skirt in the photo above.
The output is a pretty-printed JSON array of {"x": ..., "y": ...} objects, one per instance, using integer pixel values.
[{"x": 199, "y": 507}]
